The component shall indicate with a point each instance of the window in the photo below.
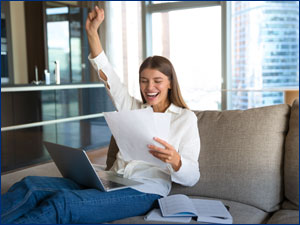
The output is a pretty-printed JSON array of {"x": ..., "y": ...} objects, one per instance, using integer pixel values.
[
  {"x": 4, "y": 56},
  {"x": 6, "y": 50},
  {"x": 66, "y": 42},
  {"x": 227, "y": 55},
  {"x": 265, "y": 52},
  {"x": 193, "y": 45}
]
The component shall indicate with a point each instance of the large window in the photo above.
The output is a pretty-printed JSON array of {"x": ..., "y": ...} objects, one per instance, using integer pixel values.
[
  {"x": 227, "y": 55},
  {"x": 259, "y": 46}
]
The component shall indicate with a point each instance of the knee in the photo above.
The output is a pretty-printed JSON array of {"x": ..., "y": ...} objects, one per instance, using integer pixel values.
[
  {"x": 30, "y": 180},
  {"x": 25, "y": 184}
]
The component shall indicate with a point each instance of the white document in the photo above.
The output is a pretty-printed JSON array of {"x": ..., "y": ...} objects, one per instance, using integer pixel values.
[{"x": 133, "y": 130}]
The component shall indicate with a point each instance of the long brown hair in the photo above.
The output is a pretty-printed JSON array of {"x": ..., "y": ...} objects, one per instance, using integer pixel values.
[{"x": 164, "y": 66}]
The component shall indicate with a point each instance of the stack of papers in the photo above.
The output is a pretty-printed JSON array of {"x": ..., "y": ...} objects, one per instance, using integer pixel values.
[{"x": 133, "y": 130}]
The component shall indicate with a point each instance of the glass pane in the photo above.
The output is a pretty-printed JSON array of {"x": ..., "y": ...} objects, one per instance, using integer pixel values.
[
  {"x": 194, "y": 47},
  {"x": 159, "y": 2},
  {"x": 265, "y": 51},
  {"x": 56, "y": 11},
  {"x": 4, "y": 53},
  {"x": 76, "y": 43},
  {"x": 59, "y": 49},
  {"x": 124, "y": 41}
]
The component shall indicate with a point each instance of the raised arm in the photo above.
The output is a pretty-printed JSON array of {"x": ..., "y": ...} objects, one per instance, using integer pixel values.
[{"x": 93, "y": 22}]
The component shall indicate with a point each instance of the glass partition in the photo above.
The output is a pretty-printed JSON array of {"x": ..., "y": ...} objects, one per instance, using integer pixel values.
[{"x": 66, "y": 43}]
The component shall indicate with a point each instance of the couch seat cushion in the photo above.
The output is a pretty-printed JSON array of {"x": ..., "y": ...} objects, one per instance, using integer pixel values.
[
  {"x": 285, "y": 217},
  {"x": 241, "y": 214}
]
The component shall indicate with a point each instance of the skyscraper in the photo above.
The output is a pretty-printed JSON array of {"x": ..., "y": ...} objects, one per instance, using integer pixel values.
[{"x": 265, "y": 51}]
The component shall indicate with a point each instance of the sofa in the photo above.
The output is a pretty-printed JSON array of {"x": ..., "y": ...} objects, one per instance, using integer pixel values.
[{"x": 249, "y": 160}]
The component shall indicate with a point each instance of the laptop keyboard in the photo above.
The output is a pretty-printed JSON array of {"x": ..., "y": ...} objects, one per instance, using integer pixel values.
[{"x": 110, "y": 184}]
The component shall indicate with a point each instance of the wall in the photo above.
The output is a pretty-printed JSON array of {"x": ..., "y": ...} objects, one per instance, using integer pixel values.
[{"x": 18, "y": 42}]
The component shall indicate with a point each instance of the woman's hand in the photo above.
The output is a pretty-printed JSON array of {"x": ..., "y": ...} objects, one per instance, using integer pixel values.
[
  {"x": 167, "y": 154},
  {"x": 94, "y": 20}
]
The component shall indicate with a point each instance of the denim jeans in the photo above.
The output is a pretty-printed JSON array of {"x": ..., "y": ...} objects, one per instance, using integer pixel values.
[{"x": 51, "y": 200}]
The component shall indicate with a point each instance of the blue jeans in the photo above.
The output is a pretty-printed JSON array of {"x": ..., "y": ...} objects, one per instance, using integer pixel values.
[{"x": 54, "y": 200}]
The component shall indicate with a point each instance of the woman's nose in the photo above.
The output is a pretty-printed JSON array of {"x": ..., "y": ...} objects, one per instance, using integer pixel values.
[{"x": 150, "y": 85}]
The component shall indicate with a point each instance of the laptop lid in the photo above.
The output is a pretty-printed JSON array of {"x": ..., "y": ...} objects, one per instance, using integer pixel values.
[{"x": 74, "y": 164}]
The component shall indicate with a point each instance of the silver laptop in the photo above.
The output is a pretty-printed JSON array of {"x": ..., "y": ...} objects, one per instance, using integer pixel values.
[{"x": 74, "y": 164}]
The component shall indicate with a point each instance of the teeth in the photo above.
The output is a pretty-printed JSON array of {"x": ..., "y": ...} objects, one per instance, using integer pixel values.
[{"x": 152, "y": 94}]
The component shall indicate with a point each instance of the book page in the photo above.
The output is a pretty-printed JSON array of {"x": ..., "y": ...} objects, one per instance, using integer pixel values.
[
  {"x": 177, "y": 205},
  {"x": 155, "y": 215},
  {"x": 211, "y": 211}
]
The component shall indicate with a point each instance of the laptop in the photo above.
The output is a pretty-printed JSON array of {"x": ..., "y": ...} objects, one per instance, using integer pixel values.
[{"x": 74, "y": 164}]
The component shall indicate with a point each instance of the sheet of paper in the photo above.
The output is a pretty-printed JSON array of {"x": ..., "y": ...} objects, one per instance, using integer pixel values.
[
  {"x": 177, "y": 205},
  {"x": 133, "y": 130}
]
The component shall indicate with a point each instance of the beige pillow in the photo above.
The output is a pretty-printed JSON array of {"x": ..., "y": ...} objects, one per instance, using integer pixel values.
[{"x": 241, "y": 156}]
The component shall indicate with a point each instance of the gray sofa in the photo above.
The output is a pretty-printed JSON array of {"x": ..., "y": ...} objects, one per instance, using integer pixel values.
[{"x": 249, "y": 159}]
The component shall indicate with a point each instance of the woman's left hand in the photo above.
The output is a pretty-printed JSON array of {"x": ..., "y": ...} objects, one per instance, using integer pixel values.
[{"x": 167, "y": 154}]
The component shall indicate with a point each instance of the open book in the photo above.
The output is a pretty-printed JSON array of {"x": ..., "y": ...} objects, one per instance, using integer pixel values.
[{"x": 180, "y": 208}]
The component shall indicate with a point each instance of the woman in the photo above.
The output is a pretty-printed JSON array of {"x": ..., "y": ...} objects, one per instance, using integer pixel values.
[{"x": 59, "y": 200}]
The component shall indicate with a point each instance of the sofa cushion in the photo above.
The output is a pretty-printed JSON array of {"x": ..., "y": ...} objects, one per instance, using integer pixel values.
[
  {"x": 291, "y": 158},
  {"x": 285, "y": 217},
  {"x": 241, "y": 157},
  {"x": 241, "y": 214}
]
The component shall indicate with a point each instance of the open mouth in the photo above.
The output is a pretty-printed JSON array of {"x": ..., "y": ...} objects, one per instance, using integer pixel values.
[{"x": 152, "y": 95}]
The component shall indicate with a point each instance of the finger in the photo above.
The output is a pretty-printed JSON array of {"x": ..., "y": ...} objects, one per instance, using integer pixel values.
[
  {"x": 99, "y": 12},
  {"x": 92, "y": 15},
  {"x": 161, "y": 156},
  {"x": 164, "y": 143},
  {"x": 158, "y": 149}
]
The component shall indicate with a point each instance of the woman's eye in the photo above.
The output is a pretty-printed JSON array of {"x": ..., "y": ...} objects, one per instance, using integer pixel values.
[
  {"x": 157, "y": 82},
  {"x": 143, "y": 81}
]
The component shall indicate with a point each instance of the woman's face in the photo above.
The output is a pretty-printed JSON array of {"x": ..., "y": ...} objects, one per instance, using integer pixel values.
[{"x": 154, "y": 87}]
